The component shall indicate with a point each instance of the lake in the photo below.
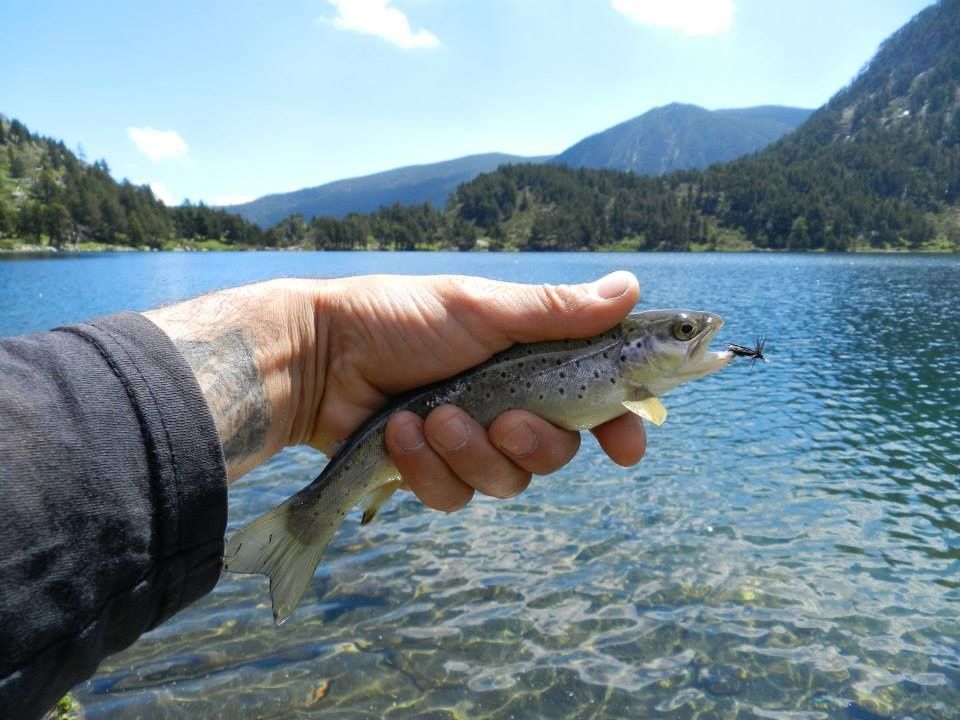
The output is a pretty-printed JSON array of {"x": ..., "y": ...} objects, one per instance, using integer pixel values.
[{"x": 789, "y": 548}]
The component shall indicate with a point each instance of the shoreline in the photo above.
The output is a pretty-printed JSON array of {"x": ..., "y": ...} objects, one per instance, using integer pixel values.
[{"x": 47, "y": 251}]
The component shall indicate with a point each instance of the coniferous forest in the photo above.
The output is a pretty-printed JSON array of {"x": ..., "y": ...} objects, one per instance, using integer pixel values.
[{"x": 876, "y": 168}]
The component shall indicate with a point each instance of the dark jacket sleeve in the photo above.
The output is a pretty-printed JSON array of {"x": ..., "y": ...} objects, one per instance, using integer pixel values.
[{"x": 112, "y": 500}]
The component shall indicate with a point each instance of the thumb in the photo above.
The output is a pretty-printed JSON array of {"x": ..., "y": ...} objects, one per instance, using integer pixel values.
[{"x": 530, "y": 313}]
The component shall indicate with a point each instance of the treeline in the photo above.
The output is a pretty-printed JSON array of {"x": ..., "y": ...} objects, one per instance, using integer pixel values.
[{"x": 398, "y": 227}]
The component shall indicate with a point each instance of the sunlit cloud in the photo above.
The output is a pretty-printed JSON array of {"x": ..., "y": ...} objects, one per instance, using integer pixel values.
[
  {"x": 377, "y": 17},
  {"x": 691, "y": 17},
  {"x": 158, "y": 144},
  {"x": 161, "y": 193},
  {"x": 232, "y": 199}
]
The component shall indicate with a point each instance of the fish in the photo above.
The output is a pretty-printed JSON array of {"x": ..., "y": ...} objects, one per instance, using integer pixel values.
[{"x": 576, "y": 384}]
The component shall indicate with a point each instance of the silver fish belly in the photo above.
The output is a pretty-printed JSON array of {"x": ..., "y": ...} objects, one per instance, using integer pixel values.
[{"x": 575, "y": 384}]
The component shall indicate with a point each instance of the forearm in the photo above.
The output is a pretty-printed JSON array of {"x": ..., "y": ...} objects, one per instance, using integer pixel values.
[
  {"x": 113, "y": 498},
  {"x": 256, "y": 351}
]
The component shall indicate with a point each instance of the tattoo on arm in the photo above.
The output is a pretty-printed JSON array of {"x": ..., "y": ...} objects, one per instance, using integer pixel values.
[{"x": 230, "y": 380}]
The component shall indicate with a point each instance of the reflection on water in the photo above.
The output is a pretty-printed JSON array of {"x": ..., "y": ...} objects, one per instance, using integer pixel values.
[{"x": 789, "y": 548}]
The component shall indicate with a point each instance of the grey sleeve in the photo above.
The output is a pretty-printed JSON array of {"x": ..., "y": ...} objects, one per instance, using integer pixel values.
[{"x": 113, "y": 500}]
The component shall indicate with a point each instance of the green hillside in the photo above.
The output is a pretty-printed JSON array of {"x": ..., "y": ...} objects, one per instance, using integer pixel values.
[{"x": 51, "y": 199}]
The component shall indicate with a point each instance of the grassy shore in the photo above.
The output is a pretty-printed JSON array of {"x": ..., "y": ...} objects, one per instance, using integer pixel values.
[
  {"x": 17, "y": 245},
  {"x": 721, "y": 241}
]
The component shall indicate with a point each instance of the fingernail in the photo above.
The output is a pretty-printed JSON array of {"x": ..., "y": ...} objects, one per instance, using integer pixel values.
[
  {"x": 520, "y": 441},
  {"x": 409, "y": 436},
  {"x": 452, "y": 435},
  {"x": 613, "y": 285}
]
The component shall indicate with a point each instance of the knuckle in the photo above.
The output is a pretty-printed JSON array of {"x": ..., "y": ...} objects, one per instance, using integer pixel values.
[
  {"x": 449, "y": 430},
  {"x": 562, "y": 299}
]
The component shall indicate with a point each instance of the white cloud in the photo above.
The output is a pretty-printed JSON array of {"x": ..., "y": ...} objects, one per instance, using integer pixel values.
[
  {"x": 232, "y": 199},
  {"x": 161, "y": 193},
  {"x": 376, "y": 17},
  {"x": 158, "y": 144},
  {"x": 691, "y": 17}
]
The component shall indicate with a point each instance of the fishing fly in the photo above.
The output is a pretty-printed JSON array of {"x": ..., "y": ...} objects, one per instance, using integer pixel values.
[{"x": 755, "y": 353}]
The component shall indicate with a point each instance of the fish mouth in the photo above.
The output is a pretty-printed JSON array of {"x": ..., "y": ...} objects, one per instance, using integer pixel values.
[{"x": 702, "y": 361}]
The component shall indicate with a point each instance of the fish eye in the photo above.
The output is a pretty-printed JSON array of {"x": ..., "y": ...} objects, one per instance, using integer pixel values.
[{"x": 685, "y": 329}]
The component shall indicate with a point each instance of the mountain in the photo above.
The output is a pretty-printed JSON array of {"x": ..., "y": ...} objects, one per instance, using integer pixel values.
[
  {"x": 411, "y": 185},
  {"x": 672, "y": 137},
  {"x": 680, "y": 137}
]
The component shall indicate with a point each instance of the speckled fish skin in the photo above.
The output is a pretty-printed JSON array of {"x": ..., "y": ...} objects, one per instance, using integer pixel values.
[{"x": 575, "y": 384}]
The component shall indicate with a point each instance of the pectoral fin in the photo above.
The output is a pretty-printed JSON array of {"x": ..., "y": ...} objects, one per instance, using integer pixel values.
[
  {"x": 649, "y": 408},
  {"x": 376, "y": 498}
]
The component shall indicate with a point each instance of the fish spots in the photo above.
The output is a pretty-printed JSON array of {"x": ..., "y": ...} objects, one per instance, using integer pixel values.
[
  {"x": 560, "y": 390},
  {"x": 606, "y": 355},
  {"x": 579, "y": 396},
  {"x": 623, "y": 357},
  {"x": 563, "y": 375},
  {"x": 529, "y": 384},
  {"x": 613, "y": 381},
  {"x": 596, "y": 374}
]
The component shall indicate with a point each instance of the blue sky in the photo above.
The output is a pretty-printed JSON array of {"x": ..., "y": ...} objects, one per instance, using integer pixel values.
[{"x": 226, "y": 101}]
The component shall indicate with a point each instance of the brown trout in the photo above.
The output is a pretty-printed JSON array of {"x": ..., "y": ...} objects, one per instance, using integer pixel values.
[{"x": 575, "y": 384}]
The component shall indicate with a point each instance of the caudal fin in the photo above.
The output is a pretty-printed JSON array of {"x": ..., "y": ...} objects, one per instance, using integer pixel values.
[{"x": 267, "y": 546}]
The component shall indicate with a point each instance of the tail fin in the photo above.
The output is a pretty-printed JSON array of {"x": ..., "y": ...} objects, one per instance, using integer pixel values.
[{"x": 267, "y": 546}]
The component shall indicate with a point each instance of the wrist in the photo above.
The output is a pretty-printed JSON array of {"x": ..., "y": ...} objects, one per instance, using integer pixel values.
[{"x": 253, "y": 350}]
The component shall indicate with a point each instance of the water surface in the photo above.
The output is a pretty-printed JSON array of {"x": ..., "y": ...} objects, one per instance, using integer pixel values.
[{"x": 789, "y": 548}]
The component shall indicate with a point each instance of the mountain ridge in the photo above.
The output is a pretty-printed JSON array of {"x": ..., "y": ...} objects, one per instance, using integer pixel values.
[
  {"x": 682, "y": 136},
  {"x": 407, "y": 185},
  {"x": 731, "y": 133}
]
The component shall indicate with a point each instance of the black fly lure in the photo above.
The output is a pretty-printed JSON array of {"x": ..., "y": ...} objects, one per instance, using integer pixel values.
[{"x": 755, "y": 353}]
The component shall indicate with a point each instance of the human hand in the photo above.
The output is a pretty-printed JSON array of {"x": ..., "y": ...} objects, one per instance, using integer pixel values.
[{"x": 301, "y": 361}]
